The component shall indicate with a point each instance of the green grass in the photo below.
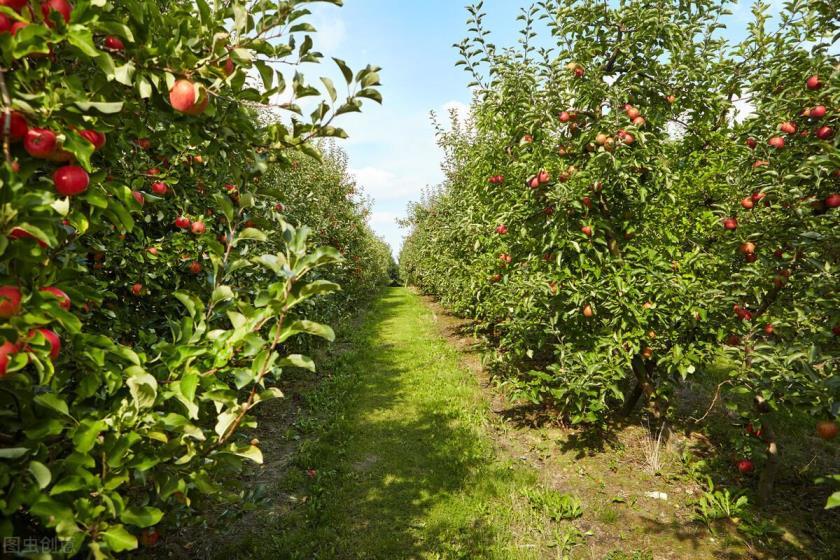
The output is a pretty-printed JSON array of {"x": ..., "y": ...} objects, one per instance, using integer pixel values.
[{"x": 405, "y": 467}]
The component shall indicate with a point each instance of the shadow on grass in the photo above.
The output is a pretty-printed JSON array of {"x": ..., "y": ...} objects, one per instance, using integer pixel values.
[{"x": 391, "y": 454}]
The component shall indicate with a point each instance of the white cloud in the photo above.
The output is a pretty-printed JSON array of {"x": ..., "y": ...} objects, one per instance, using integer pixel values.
[
  {"x": 384, "y": 185},
  {"x": 383, "y": 218},
  {"x": 331, "y": 34}
]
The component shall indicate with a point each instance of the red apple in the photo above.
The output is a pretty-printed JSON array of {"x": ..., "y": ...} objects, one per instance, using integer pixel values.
[
  {"x": 279, "y": 207},
  {"x": 159, "y": 188},
  {"x": 632, "y": 112},
  {"x": 138, "y": 196},
  {"x": 733, "y": 340},
  {"x": 832, "y": 200},
  {"x": 16, "y": 5},
  {"x": 9, "y": 301},
  {"x": 229, "y": 66},
  {"x": 149, "y": 537},
  {"x": 7, "y": 350},
  {"x": 96, "y": 138},
  {"x": 748, "y": 248},
  {"x": 137, "y": 289},
  {"x": 817, "y": 112},
  {"x": 198, "y": 228},
  {"x": 587, "y": 202},
  {"x": 52, "y": 339},
  {"x": 40, "y": 142},
  {"x": 565, "y": 117},
  {"x": 70, "y": 180},
  {"x": 745, "y": 466},
  {"x": 143, "y": 143},
  {"x": 788, "y": 127},
  {"x": 501, "y": 229},
  {"x": 827, "y": 429},
  {"x": 183, "y": 96},
  {"x": 152, "y": 251},
  {"x": 776, "y": 142},
  {"x": 182, "y": 222},
  {"x": 114, "y": 43},
  {"x": 730, "y": 224},
  {"x": 63, "y": 298},
  {"x": 63, "y": 7},
  {"x": 824, "y": 132},
  {"x": 20, "y": 233},
  {"x": 747, "y": 202},
  {"x": 760, "y": 163},
  {"x": 758, "y": 196},
  {"x": 543, "y": 176},
  {"x": 527, "y": 139},
  {"x": 751, "y": 143},
  {"x": 534, "y": 182},
  {"x": 587, "y": 311},
  {"x": 17, "y": 125},
  {"x": 195, "y": 267},
  {"x": 639, "y": 122},
  {"x": 813, "y": 82},
  {"x": 548, "y": 210},
  {"x": 769, "y": 329},
  {"x": 587, "y": 231}
]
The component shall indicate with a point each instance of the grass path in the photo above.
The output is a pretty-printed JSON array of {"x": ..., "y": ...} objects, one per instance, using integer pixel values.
[{"x": 405, "y": 466}]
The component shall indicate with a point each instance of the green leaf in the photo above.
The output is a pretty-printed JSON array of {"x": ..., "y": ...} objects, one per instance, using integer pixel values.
[
  {"x": 142, "y": 516},
  {"x": 13, "y": 452},
  {"x": 42, "y": 474},
  {"x": 107, "y": 107},
  {"x": 833, "y": 501},
  {"x": 81, "y": 37},
  {"x": 53, "y": 402},
  {"x": 297, "y": 360},
  {"x": 118, "y": 539}
]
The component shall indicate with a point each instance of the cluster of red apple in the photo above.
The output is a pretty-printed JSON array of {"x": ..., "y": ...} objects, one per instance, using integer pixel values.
[
  {"x": 496, "y": 180},
  {"x": 540, "y": 178},
  {"x": 8, "y": 25},
  {"x": 10, "y": 305}
]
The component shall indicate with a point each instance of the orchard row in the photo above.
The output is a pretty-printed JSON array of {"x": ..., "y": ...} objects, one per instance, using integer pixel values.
[
  {"x": 641, "y": 202},
  {"x": 152, "y": 289}
]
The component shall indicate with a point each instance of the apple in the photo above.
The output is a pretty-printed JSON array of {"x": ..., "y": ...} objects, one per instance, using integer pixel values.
[
  {"x": 587, "y": 202},
  {"x": 70, "y": 180},
  {"x": 753, "y": 431},
  {"x": 501, "y": 229},
  {"x": 671, "y": 99},
  {"x": 817, "y": 112},
  {"x": 625, "y": 137},
  {"x": 632, "y": 113},
  {"x": 63, "y": 298},
  {"x": 152, "y": 251},
  {"x": 534, "y": 182},
  {"x": 751, "y": 143},
  {"x": 504, "y": 257},
  {"x": 768, "y": 329},
  {"x": 195, "y": 267},
  {"x": 600, "y": 138},
  {"x": 565, "y": 117},
  {"x": 835, "y": 330},
  {"x": 639, "y": 122},
  {"x": 20, "y": 233},
  {"x": 747, "y": 202},
  {"x": 579, "y": 71},
  {"x": 143, "y": 143},
  {"x": 182, "y": 222},
  {"x": 745, "y": 466},
  {"x": 198, "y": 228},
  {"x": 114, "y": 43},
  {"x": 748, "y": 248},
  {"x": 824, "y": 132},
  {"x": 230, "y": 188},
  {"x": 751, "y": 258},
  {"x": 63, "y": 7},
  {"x": 18, "y": 126},
  {"x": 758, "y": 196},
  {"x": 587, "y": 231},
  {"x": 9, "y": 301},
  {"x": 733, "y": 340},
  {"x": 827, "y": 429},
  {"x": 53, "y": 340},
  {"x": 730, "y": 224},
  {"x": 7, "y": 350},
  {"x": 788, "y": 127},
  {"x": 40, "y": 142},
  {"x": 279, "y": 207},
  {"x": 138, "y": 196},
  {"x": 96, "y": 138},
  {"x": 543, "y": 176},
  {"x": 760, "y": 163},
  {"x": 587, "y": 311},
  {"x": 149, "y": 537},
  {"x": 17, "y": 26},
  {"x": 832, "y": 200},
  {"x": 548, "y": 210},
  {"x": 137, "y": 289},
  {"x": 185, "y": 98},
  {"x": 776, "y": 142},
  {"x": 159, "y": 188},
  {"x": 229, "y": 67},
  {"x": 813, "y": 82},
  {"x": 527, "y": 139}
]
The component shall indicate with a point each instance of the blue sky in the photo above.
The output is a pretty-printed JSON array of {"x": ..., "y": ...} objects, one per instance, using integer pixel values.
[{"x": 392, "y": 147}]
